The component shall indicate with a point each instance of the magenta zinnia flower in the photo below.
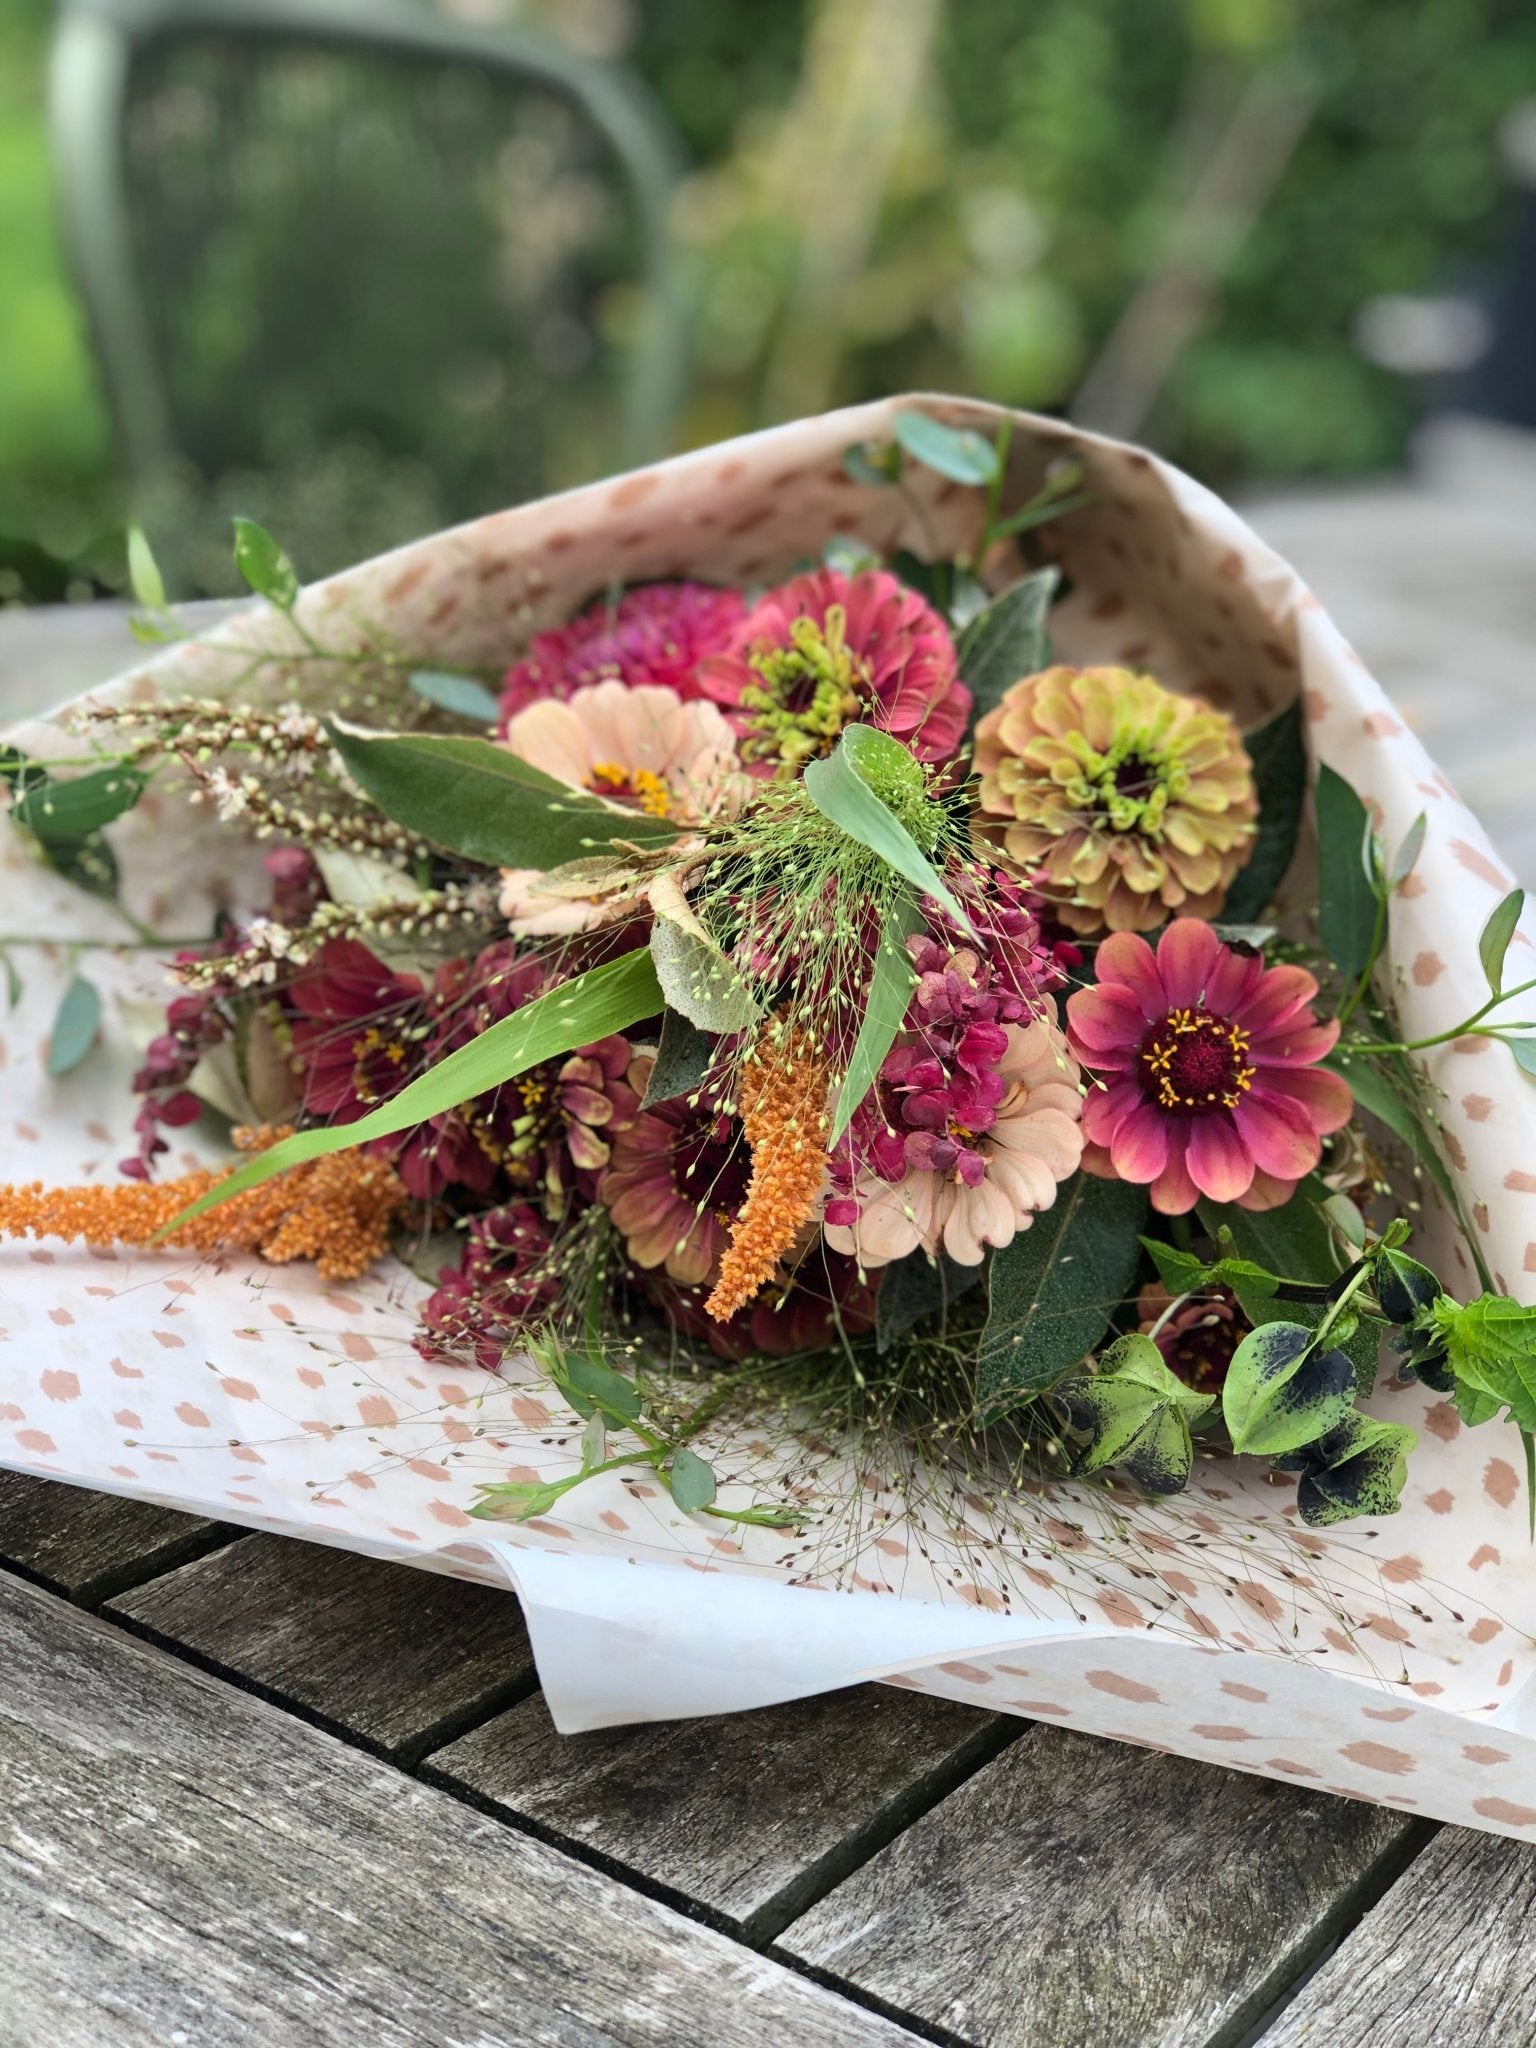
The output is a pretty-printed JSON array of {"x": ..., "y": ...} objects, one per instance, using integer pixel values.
[
  {"x": 1208, "y": 1065},
  {"x": 827, "y": 650},
  {"x": 658, "y": 633}
]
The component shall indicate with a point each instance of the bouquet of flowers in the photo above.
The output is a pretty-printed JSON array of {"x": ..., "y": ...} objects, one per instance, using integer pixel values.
[{"x": 822, "y": 1030}]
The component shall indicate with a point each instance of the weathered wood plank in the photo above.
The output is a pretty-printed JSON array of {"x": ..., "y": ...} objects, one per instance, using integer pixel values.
[
  {"x": 1078, "y": 1892},
  {"x": 749, "y": 1815},
  {"x": 89, "y": 1545},
  {"x": 398, "y": 1658},
  {"x": 180, "y": 1861},
  {"x": 1445, "y": 1960}
]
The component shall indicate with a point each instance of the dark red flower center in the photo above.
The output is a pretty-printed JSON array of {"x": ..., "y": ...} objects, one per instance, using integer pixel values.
[
  {"x": 1200, "y": 1353},
  {"x": 1195, "y": 1063},
  {"x": 711, "y": 1164}
]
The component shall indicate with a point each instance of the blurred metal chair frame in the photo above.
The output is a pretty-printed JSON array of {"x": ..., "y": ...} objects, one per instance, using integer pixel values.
[{"x": 94, "y": 47}]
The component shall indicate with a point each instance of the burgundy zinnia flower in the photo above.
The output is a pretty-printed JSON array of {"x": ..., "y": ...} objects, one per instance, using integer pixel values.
[
  {"x": 658, "y": 633},
  {"x": 827, "y": 1293},
  {"x": 1209, "y": 1068},
  {"x": 502, "y": 1282},
  {"x": 676, "y": 1180},
  {"x": 827, "y": 650}
]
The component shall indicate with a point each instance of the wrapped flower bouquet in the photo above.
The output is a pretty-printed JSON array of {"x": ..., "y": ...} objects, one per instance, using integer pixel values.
[{"x": 883, "y": 1009}]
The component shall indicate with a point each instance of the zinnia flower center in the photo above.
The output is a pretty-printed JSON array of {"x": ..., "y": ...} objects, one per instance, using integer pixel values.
[
  {"x": 1196, "y": 1062},
  {"x": 637, "y": 786},
  {"x": 809, "y": 691},
  {"x": 1129, "y": 788}
]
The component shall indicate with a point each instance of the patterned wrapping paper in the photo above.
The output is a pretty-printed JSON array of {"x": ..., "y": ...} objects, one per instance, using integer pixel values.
[{"x": 1392, "y": 1661}]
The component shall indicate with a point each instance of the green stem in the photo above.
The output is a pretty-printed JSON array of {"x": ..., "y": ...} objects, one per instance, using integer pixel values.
[
  {"x": 1463, "y": 1030},
  {"x": 1338, "y": 1307}
]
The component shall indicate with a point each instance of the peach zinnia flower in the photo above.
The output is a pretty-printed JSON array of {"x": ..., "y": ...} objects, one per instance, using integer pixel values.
[
  {"x": 643, "y": 748},
  {"x": 1208, "y": 1068},
  {"x": 1122, "y": 801},
  {"x": 1033, "y": 1143}
]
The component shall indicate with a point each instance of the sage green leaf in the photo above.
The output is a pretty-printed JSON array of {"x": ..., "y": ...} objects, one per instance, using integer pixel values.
[
  {"x": 594, "y": 1442},
  {"x": 956, "y": 452},
  {"x": 1524, "y": 1050},
  {"x": 474, "y": 798},
  {"x": 692, "y": 1480},
  {"x": 1052, "y": 1291},
  {"x": 1497, "y": 933},
  {"x": 518, "y": 1500},
  {"x": 1346, "y": 915},
  {"x": 698, "y": 981},
  {"x": 76, "y": 1023},
  {"x": 80, "y": 806},
  {"x": 263, "y": 565},
  {"x": 1282, "y": 1392},
  {"x": 1279, "y": 756},
  {"x": 861, "y": 785},
  {"x": 464, "y": 696},
  {"x": 916, "y": 1287},
  {"x": 1406, "y": 858},
  {"x": 1008, "y": 640},
  {"x": 592, "y": 1387},
  {"x": 682, "y": 1059},
  {"x": 891, "y": 984},
  {"x": 605, "y": 999},
  {"x": 144, "y": 578}
]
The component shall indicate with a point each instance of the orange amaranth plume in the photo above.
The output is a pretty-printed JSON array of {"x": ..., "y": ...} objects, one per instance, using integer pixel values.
[
  {"x": 336, "y": 1211},
  {"x": 783, "y": 1098}
]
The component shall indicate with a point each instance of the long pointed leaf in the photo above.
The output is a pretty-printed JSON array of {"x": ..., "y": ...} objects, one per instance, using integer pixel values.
[
  {"x": 890, "y": 990},
  {"x": 1491, "y": 947},
  {"x": 841, "y": 788},
  {"x": 605, "y": 999},
  {"x": 1008, "y": 640}
]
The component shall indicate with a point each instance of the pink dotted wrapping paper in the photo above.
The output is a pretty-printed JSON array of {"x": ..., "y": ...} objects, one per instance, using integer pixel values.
[{"x": 1392, "y": 1661}]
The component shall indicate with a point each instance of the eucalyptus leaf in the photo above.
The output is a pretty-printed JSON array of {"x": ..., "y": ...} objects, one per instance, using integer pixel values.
[
  {"x": 1008, "y": 640},
  {"x": 76, "y": 808},
  {"x": 1279, "y": 756},
  {"x": 476, "y": 799},
  {"x": 682, "y": 1059},
  {"x": 1406, "y": 858},
  {"x": 594, "y": 1388},
  {"x": 891, "y": 983},
  {"x": 872, "y": 463},
  {"x": 465, "y": 696},
  {"x": 76, "y": 1023},
  {"x": 692, "y": 1480},
  {"x": 1052, "y": 1291},
  {"x": 1346, "y": 916},
  {"x": 263, "y": 566},
  {"x": 1281, "y": 1391},
  {"x": 959, "y": 453},
  {"x": 699, "y": 982},
  {"x": 1524, "y": 1050},
  {"x": 1496, "y": 935},
  {"x": 854, "y": 787},
  {"x": 613, "y": 997}
]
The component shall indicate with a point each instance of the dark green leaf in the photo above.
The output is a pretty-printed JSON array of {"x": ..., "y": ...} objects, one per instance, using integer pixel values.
[
  {"x": 1279, "y": 756},
  {"x": 1051, "y": 1292},
  {"x": 915, "y": 1287},
  {"x": 88, "y": 862},
  {"x": 76, "y": 808},
  {"x": 1406, "y": 858},
  {"x": 856, "y": 786},
  {"x": 1346, "y": 917},
  {"x": 1291, "y": 1242},
  {"x": 75, "y": 1025},
  {"x": 476, "y": 799},
  {"x": 682, "y": 1059},
  {"x": 263, "y": 565},
  {"x": 890, "y": 990},
  {"x": 604, "y": 999},
  {"x": 691, "y": 1480},
  {"x": 462, "y": 695},
  {"x": 956, "y": 452},
  {"x": 1497, "y": 933},
  {"x": 928, "y": 579},
  {"x": 1008, "y": 640},
  {"x": 1282, "y": 1392}
]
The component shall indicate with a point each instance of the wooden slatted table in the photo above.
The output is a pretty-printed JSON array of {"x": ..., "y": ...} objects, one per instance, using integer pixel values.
[{"x": 256, "y": 1791}]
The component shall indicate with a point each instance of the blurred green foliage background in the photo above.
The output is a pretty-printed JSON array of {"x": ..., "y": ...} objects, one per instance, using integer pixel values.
[{"x": 1184, "y": 202}]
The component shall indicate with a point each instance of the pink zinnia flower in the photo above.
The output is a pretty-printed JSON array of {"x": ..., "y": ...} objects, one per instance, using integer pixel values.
[
  {"x": 675, "y": 1182},
  {"x": 827, "y": 650},
  {"x": 1209, "y": 1068},
  {"x": 658, "y": 633}
]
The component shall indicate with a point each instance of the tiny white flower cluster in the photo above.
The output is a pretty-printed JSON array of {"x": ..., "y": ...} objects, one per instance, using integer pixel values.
[{"x": 271, "y": 949}]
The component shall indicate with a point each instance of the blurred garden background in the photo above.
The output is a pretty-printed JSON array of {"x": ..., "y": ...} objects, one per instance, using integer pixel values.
[{"x": 1264, "y": 236}]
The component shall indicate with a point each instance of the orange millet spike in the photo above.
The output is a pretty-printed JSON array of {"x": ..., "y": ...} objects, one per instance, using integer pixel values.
[{"x": 783, "y": 1097}]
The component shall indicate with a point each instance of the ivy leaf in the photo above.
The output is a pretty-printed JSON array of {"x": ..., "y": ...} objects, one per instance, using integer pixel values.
[
  {"x": 75, "y": 1025},
  {"x": 1282, "y": 1392},
  {"x": 959, "y": 453},
  {"x": 609, "y": 998},
  {"x": 1346, "y": 917},
  {"x": 462, "y": 695},
  {"x": 1406, "y": 858},
  {"x": 1279, "y": 756},
  {"x": 891, "y": 984},
  {"x": 854, "y": 786},
  {"x": 1008, "y": 640},
  {"x": 682, "y": 1059},
  {"x": 915, "y": 1287},
  {"x": 474, "y": 798},
  {"x": 1052, "y": 1291},
  {"x": 263, "y": 566},
  {"x": 80, "y": 806},
  {"x": 692, "y": 1480},
  {"x": 1497, "y": 933}
]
